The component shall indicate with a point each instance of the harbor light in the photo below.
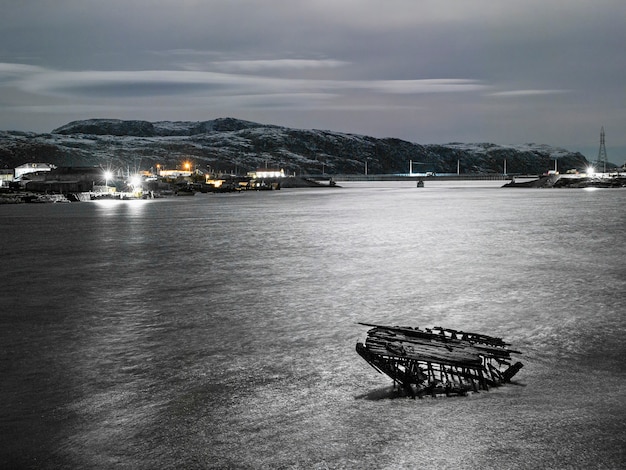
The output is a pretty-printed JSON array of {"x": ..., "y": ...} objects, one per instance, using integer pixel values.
[
  {"x": 135, "y": 184},
  {"x": 590, "y": 171},
  {"x": 107, "y": 176},
  {"x": 135, "y": 181}
]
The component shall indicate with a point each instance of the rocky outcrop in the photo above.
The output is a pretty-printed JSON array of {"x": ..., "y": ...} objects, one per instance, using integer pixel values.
[{"x": 114, "y": 127}]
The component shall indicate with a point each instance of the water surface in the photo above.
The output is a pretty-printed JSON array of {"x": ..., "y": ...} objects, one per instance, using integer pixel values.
[{"x": 218, "y": 331}]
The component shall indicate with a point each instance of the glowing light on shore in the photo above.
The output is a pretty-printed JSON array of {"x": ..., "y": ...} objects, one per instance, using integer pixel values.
[
  {"x": 135, "y": 181},
  {"x": 107, "y": 176}
]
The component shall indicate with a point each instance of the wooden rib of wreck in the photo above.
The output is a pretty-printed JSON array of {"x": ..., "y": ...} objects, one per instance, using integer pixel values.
[{"x": 437, "y": 360}]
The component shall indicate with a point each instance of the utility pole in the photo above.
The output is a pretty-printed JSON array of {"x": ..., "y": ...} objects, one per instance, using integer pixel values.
[{"x": 602, "y": 151}]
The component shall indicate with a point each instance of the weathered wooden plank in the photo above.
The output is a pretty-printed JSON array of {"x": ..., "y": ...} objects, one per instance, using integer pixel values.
[
  {"x": 434, "y": 341},
  {"x": 511, "y": 371},
  {"x": 404, "y": 348},
  {"x": 439, "y": 331},
  {"x": 425, "y": 354}
]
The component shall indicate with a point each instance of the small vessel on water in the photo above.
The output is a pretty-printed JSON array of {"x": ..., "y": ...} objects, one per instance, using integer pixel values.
[{"x": 433, "y": 361}]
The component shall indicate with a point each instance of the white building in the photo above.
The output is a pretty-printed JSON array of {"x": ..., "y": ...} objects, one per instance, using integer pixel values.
[
  {"x": 31, "y": 168},
  {"x": 267, "y": 173},
  {"x": 174, "y": 173}
]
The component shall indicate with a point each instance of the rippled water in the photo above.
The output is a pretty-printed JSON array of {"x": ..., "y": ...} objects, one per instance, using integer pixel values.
[{"x": 218, "y": 331}]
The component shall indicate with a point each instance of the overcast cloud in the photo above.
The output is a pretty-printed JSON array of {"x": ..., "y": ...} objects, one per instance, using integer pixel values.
[{"x": 549, "y": 71}]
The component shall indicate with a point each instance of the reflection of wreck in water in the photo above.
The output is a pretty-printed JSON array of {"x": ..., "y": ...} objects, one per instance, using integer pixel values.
[{"x": 437, "y": 360}]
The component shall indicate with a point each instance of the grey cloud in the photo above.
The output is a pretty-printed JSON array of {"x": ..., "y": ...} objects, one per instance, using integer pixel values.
[
  {"x": 159, "y": 82},
  {"x": 276, "y": 64},
  {"x": 514, "y": 93},
  {"x": 436, "y": 70}
]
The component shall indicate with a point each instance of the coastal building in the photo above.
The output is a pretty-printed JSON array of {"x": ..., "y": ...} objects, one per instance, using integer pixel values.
[
  {"x": 174, "y": 173},
  {"x": 65, "y": 179},
  {"x": 28, "y": 168},
  {"x": 267, "y": 173},
  {"x": 6, "y": 176}
]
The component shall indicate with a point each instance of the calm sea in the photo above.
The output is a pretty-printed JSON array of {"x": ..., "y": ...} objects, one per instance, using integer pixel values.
[{"x": 218, "y": 331}]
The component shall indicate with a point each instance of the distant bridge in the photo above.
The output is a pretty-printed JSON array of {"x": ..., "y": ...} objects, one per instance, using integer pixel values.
[{"x": 415, "y": 176}]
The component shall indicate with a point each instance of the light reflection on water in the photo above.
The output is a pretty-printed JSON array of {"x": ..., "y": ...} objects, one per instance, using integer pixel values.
[{"x": 219, "y": 330}]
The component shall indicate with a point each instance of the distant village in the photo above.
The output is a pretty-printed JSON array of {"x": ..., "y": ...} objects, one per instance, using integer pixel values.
[{"x": 43, "y": 182}]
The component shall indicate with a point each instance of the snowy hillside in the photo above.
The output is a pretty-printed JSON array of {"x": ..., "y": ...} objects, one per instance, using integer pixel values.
[{"x": 230, "y": 144}]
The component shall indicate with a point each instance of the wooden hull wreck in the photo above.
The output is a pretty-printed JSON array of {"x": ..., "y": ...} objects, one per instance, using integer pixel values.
[{"x": 437, "y": 360}]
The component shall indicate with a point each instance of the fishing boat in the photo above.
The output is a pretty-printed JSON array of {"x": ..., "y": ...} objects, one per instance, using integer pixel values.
[{"x": 437, "y": 361}]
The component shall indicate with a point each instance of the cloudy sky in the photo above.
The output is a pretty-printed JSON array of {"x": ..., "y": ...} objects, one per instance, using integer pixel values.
[{"x": 508, "y": 72}]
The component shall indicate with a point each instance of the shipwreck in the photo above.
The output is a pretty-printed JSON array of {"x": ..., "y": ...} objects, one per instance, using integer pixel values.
[{"x": 436, "y": 361}]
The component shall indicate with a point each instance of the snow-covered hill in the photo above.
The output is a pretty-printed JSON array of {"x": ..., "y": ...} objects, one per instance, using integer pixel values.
[{"x": 230, "y": 144}]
